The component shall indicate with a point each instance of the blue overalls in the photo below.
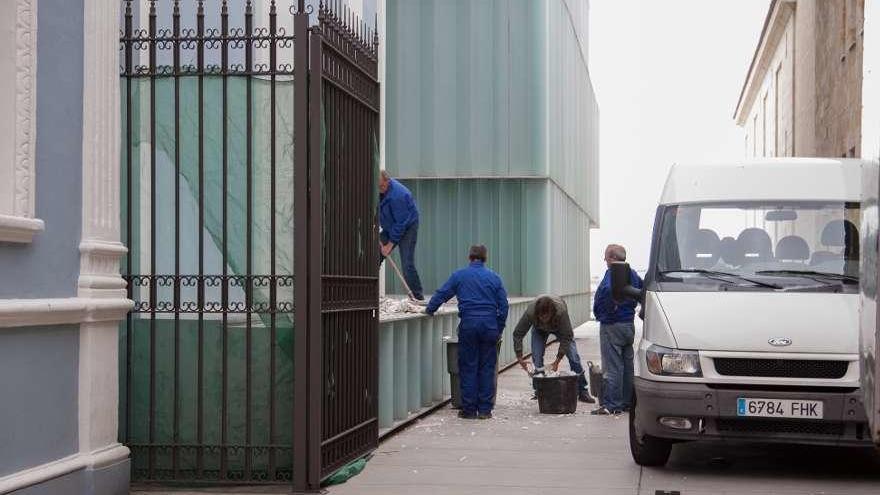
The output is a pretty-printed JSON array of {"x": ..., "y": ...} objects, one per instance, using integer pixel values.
[
  {"x": 399, "y": 218},
  {"x": 482, "y": 308}
]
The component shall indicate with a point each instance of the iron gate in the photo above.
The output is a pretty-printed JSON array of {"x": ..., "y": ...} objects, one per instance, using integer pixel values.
[{"x": 249, "y": 175}]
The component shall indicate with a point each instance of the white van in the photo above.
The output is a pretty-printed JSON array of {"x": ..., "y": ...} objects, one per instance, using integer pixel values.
[{"x": 751, "y": 327}]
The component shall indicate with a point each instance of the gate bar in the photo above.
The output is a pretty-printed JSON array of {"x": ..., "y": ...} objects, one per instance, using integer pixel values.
[
  {"x": 249, "y": 263},
  {"x": 224, "y": 61},
  {"x": 200, "y": 359},
  {"x": 175, "y": 14},
  {"x": 273, "y": 288},
  {"x": 153, "y": 290}
]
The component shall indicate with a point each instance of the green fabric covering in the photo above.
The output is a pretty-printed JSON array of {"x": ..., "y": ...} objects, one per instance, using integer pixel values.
[
  {"x": 213, "y": 330},
  {"x": 347, "y": 472},
  {"x": 185, "y": 152}
]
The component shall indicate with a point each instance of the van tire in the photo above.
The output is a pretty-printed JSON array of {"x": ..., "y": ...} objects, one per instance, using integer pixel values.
[{"x": 647, "y": 450}]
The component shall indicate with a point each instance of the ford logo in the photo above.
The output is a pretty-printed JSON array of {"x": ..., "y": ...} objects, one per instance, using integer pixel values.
[{"x": 779, "y": 341}]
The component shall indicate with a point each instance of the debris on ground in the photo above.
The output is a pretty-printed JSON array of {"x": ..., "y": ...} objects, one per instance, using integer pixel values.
[{"x": 555, "y": 374}]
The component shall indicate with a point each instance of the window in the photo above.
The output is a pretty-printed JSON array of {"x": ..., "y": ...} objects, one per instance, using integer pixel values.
[
  {"x": 764, "y": 126},
  {"x": 18, "y": 88},
  {"x": 777, "y": 125},
  {"x": 809, "y": 245},
  {"x": 755, "y": 134}
]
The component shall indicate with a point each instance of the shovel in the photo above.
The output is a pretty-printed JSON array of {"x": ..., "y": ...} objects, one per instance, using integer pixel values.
[{"x": 400, "y": 276}]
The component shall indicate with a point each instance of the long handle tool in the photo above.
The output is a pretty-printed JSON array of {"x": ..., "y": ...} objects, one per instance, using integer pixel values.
[{"x": 400, "y": 275}]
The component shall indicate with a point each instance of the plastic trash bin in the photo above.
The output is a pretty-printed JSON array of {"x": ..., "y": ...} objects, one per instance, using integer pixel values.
[
  {"x": 454, "y": 378},
  {"x": 557, "y": 394}
]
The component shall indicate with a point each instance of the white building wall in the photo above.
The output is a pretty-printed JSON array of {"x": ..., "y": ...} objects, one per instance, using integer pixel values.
[{"x": 770, "y": 120}]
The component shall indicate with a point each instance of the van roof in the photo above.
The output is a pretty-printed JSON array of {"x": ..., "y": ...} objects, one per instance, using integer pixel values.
[{"x": 783, "y": 179}]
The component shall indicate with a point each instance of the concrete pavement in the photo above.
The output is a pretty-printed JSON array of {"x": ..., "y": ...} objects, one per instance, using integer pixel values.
[{"x": 523, "y": 452}]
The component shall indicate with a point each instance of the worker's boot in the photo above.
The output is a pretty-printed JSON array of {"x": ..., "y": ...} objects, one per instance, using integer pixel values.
[
  {"x": 584, "y": 396},
  {"x": 487, "y": 415},
  {"x": 464, "y": 415}
]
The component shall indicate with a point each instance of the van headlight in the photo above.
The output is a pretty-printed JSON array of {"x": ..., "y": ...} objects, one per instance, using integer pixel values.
[{"x": 676, "y": 362}]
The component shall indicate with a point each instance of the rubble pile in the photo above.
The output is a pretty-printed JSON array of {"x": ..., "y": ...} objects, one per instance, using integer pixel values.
[
  {"x": 396, "y": 306},
  {"x": 390, "y": 306}
]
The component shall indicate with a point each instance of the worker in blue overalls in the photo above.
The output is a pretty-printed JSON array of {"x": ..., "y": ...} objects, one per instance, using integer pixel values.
[
  {"x": 399, "y": 219},
  {"x": 482, "y": 308}
]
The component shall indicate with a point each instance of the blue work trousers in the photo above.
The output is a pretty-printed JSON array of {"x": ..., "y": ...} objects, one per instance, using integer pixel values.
[
  {"x": 407, "y": 249},
  {"x": 477, "y": 358},
  {"x": 615, "y": 342},
  {"x": 539, "y": 343}
]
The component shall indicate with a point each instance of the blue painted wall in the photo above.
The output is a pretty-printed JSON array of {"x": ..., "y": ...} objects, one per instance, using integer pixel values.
[
  {"x": 38, "y": 384},
  {"x": 49, "y": 266}
]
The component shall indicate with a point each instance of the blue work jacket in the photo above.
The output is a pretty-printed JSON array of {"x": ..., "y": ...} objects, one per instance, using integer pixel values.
[
  {"x": 480, "y": 294},
  {"x": 606, "y": 309},
  {"x": 397, "y": 210}
]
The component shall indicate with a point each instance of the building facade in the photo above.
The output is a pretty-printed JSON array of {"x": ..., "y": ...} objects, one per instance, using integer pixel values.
[
  {"x": 491, "y": 121},
  {"x": 61, "y": 295},
  {"x": 803, "y": 92}
]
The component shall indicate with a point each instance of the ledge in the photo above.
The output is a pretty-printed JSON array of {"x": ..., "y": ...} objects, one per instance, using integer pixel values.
[
  {"x": 31, "y": 312},
  {"x": 38, "y": 474},
  {"x": 19, "y": 229}
]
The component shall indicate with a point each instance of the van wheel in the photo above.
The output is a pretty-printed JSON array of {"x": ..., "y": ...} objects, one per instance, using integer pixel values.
[{"x": 645, "y": 449}]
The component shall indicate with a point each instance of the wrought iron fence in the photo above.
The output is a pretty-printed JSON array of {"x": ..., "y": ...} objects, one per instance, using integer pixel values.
[{"x": 249, "y": 166}]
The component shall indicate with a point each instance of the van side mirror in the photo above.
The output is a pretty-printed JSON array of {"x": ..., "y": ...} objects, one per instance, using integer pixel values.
[{"x": 620, "y": 286}]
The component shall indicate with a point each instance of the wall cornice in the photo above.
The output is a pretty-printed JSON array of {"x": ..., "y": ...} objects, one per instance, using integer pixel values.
[{"x": 61, "y": 311}]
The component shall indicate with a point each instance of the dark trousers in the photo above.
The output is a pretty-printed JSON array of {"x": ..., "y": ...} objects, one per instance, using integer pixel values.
[
  {"x": 477, "y": 357},
  {"x": 407, "y": 249},
  {"x": 539, "y": 344},
  {"x": 615, "y": 342}
]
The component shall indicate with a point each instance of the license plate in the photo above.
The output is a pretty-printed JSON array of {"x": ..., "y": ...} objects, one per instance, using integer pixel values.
[{"x": 779, "y": 408}]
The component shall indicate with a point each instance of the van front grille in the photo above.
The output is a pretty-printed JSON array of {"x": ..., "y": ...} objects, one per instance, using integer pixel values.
[
  {"x": 793, "y": 426},
  {"x": 782, "y": 368}
]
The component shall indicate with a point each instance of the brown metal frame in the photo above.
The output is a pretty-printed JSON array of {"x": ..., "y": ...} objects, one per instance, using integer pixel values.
[{"x": 334, "y": 305}]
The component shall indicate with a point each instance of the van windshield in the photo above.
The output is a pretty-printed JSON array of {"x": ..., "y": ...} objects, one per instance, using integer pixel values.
[{"x": 809, "y": 246}]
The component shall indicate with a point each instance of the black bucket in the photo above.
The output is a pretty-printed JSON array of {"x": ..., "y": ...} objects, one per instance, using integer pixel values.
[{"x": 557, "y": 394}]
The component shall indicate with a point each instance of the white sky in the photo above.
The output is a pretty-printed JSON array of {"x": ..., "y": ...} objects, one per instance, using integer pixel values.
[{"x": 667, "y": 76}]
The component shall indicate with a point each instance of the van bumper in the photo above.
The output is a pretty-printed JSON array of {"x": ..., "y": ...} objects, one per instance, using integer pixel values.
[{"x": 712, "y": 414}]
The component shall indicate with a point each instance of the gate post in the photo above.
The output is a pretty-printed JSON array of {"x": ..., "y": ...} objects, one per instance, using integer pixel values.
[
  {"x": 316, "y": 262},
  {"x": 301, "y": 451}
]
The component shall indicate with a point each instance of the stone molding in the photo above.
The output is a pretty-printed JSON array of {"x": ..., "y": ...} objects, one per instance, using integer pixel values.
[
  {"x": 18, "y": 229},
  {"x": 45, "y": 472},
  {"x": 73, "y": 310},
  {"x": 100, "y": 284},
  {"x": 99, "y": 270},
  {"x": 25, "y": 105},
  {"x": 100, "y": 247},
  {"x": 19, "y": 224}
]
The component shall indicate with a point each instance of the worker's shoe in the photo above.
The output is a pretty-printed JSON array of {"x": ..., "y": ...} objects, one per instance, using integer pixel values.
[
  {"x": 585, "y": 396},
  {"x": 487, "y": 415},
  {"x": 535, "y": 396},
  {"x": 464, "y": 415},
  {"x": 600, "y": 411}
]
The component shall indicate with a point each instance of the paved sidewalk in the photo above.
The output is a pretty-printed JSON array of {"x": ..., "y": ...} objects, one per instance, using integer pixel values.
[{"x": 521, "y": 452}]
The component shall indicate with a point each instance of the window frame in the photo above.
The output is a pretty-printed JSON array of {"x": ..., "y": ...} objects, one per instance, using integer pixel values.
[{"x": 18, "y": 222}]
